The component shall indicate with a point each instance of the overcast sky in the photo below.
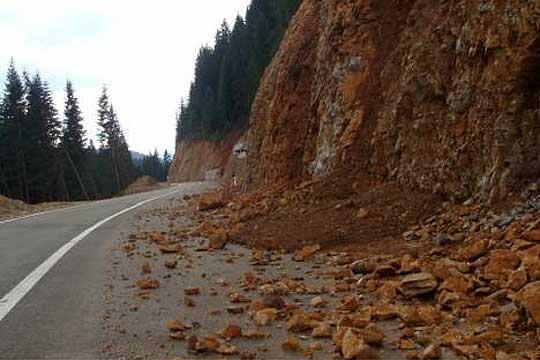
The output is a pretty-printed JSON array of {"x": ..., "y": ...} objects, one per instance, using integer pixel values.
[{"x": 143, "y": 50}]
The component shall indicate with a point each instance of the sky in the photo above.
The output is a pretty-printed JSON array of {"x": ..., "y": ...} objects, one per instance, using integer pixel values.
[{"x": 144, "y": 51}]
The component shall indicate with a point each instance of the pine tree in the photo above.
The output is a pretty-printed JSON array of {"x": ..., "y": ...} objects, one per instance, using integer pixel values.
[
  {"x": 12, "y": 113},
  {"x": 73, "y": 144},
  {"x": 41, "y": 135},
  {"x": 104, "y": 131},
  {"x": 227, "y": 75},
  {"x": 167, "y": 161}
]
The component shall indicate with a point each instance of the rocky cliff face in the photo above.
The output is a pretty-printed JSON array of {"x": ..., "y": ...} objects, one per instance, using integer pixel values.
[
  {"x": 202, "y": 159},
  {"x": 435, "y": 96}
]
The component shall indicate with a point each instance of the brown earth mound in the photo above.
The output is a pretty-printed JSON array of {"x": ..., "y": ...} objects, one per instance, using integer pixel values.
[
  {"x": 142, "y": 184},
  {"x": 9, "y": 206},
  {"x": 330, "y": 212}
]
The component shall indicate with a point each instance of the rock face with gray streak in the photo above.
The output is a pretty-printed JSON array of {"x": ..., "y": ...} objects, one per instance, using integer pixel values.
[{"x": 434, "y": 96}]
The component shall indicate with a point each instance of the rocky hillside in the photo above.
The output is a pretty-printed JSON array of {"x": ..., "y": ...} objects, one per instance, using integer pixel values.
[
  {"x": 393, "y": 107},
  {"x": 441, "y": 97},
  {"x": 401, "y": 137},
  {"x": 200, "y": 159}
]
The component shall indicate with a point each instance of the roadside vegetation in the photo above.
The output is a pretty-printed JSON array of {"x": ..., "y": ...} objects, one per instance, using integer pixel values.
[
  {"x": 227, "y": 75},
  {"x": 46, "y": 156}
]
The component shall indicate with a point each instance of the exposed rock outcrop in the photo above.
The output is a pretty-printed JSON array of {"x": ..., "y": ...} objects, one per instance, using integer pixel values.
[
  {"x": 203, "y": 159},
  {"x": 440, "y": 97}
]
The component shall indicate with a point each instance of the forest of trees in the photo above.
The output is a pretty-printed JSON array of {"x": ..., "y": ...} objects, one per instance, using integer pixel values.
[
  {"x": 227, "y": 75},
  {"x": 45, "y": 155},
  {"x": 154, "y": 165}
]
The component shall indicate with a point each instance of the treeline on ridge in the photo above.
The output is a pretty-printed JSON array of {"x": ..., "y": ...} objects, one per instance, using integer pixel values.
[
  {"x": 45, "y": 156},
  {"x": 227, "y": 75}
]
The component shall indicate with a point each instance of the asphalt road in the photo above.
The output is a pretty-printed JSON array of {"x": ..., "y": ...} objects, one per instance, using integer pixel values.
[{"x": 59, "y": 317}]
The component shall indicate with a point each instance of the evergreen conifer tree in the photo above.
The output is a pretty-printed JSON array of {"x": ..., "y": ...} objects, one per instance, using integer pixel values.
[
  {"x": 73, "y": 143},
  {"x": 12, "y": 114}
]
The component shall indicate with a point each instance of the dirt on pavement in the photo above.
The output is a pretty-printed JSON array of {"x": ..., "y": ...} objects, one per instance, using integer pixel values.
[{"x": 462, "y": 283}]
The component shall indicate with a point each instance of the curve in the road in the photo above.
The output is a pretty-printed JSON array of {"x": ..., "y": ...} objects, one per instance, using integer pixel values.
[{"x": 10, "y": 300}]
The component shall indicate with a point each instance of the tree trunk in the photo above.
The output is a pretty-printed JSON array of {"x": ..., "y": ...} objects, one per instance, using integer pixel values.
[{"x": 79, "y": 180}]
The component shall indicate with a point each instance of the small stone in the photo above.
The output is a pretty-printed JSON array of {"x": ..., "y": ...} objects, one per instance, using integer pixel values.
[
  {"x": 322, "y": 331},
  {"x": 418, "y": 284},
  {"x": 171, "y": 264},
  {"x": 517, "y": 279},
  {"x": 170, "y": 249},
  {"x": 192, "y": 291},
  {"x": 373, "y": 335},
  {"x": 318, "y": 302},
  {"x": 474, "y": 250},
  {"x": 146, "y": 268},
  {"x": 148, "y": 283},
  {"x": 235, "y": 309},
  {"x": 211, "y": 201},
  {"x": 300, "y": 322},
  {"x": 359, "y": 267},
  {"x": 227, "y": 349},
  {"x": 177, "y": 335},
  {"x": 209, "y": 344},
  {"x": 176, "y": 325},
  {"x": 306, "y": 252},
  {"x": 383, "y": 271},
  {"x": 265, "y": 317},
  {"x": 355, "y": 347},
  {"x": 189, "y": 302},
  {"x": 533, "y": 235},
  {"x": 362, "y": 213},
  {"x": 292, "y": 344},
  {"x": 349, "y": 303},
  {"x": 274, "y": 301},
  {"x": 432, "y": 352},
  {"x": 500, "y": 262},
  {"x": 442, "y": 239},
  {"x": 231, "y": 332},
  {"x": 530, "y": 298},
  {"x": 218, "y": 239}
]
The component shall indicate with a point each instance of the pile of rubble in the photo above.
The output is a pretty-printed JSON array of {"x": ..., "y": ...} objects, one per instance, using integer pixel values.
[{"x": 468, "y": 286}]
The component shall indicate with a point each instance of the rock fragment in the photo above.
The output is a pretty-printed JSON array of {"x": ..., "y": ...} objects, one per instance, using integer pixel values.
[
  {"x": 148, "y": 284},
  {"x": 306, "y": 252},
  {"x": 418, "y": 284}
]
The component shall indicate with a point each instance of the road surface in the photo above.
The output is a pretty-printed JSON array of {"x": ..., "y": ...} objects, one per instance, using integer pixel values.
[
  {"x": 68, "y": 287},
  {"x": 52, "y": 276}
]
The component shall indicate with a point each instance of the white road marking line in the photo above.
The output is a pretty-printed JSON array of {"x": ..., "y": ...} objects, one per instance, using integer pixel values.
[
  {"x": 66, "y": 208},
  {"x": 42, "y": 213},
  {"x": 8, "y": 302}
]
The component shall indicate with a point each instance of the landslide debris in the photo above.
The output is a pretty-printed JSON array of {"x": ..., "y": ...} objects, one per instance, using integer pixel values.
[{"x": 476, "y": 294}]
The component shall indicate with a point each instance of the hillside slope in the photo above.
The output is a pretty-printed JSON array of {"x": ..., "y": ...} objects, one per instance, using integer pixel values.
[{"x": 437, "y": 97}]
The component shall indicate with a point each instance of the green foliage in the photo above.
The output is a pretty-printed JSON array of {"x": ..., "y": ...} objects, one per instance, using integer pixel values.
[
  {"x": 114, "y": 158},
  {"x": 153, "y": 165},
  {"x": 45, "y": 159},
  {"x": 42, "y": 133},
  {"x": 12, "y": 132},
  {"x": 227, "y": 75},
  {"x": 73, "y": 144}
]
